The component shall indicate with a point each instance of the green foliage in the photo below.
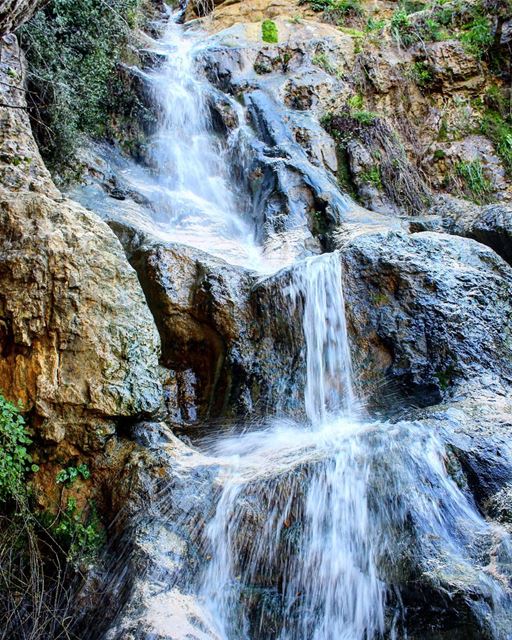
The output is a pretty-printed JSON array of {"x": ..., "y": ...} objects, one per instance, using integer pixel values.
[
  {"x": 321, "y": 60},
  {"x": 15, "y": 461},
  {"x": 356, "y": 102},
  {"x": 412, "y": 6},
  {"x": 475, "y": 183},
  {"x": 373, "y": 177},
  {"x": 358, "y": 112},
  {"x": 336, "y": 11},
  {"x": 422, "y": 74},
  {"x": 269, "y": 31},
  {"x": 73, "y": 49},
  {"x": 401, "y": 27},
  {"x": 375, "y": 25},
  {"x": 69, "y": 475},
  {"x": 79, "y": 533},
  {"x": 478, "y": 36},
  {"x": 499, "y": 130},
  {"x": 364, "y": 117}
]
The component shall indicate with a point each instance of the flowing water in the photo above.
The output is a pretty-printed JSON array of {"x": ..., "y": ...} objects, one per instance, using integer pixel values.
[{"x": 313, "y": 518}]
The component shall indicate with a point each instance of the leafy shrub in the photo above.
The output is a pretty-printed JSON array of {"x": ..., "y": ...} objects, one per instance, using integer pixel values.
[
  {"x": 15, "y": 461},
  {"x": 79, "y": 533},
  {"x": 421, "y": 73},
  {"x": 269, "y": 31},
  {"x": 478, "y": 36},
  {"x": 73, "y": 50}
]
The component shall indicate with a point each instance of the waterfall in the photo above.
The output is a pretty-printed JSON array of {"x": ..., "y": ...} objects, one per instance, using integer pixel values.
[
  {"x": 316, "y": 533},
  {"x": 329, "y": 387},
  {"x": 311, "y": 515}
]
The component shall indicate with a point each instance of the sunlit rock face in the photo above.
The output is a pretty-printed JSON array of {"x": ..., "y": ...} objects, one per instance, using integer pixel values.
[{"x": 79, "y": 345}]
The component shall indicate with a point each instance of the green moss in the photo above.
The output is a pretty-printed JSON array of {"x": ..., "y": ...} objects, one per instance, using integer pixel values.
[{"x": 269, "y": 31}]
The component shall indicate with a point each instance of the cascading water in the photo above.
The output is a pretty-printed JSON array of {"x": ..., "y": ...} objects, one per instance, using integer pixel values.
[
  {"x": 310, "y": 515},
  {"x": 317, "y": 534},
  {"x": 313, "y": 518},
  {"x": 193, "y": 196}
]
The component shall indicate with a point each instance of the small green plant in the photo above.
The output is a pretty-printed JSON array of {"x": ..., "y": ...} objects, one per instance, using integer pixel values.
[
  {"x": 348, "y": 7},
  {"x": 475, "y": 183},
  {"x": 372, "y": 177},
  {"x": 439, "y": 154},
  {"x": 478, "y": 36},
  {"x": 364, "y": 117},
  {"x": 321, "y": 60},
  {"x": 15, "y": 460},
  {"x": 69, "y": 475},
  {"x": 357, "y": 111},
  {"x": 499, "y": 131},
  {"x": 269, "y": 32},
  {"x": 79, "y": 533},
  {"x": 422, "y": 74},
  {"x": 375, "y": 25},
  {"x": 401, "y": 27},
  {"x": 356, "y": 102}
]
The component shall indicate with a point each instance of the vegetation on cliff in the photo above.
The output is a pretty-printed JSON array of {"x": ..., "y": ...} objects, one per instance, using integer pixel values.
[{"x": 75, "y": 52}]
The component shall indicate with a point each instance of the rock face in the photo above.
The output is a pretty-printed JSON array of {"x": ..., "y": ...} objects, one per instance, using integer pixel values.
[
  {"x": 491, "y": 225},
  {"x": 77, "y": 340},
  {"x": 166, "y": 493},
  {"x": 14, "y": 12},
  {"x": 429, "y": 311},
  {"x": 227, "y": 338},
  {"x": 79, "y": 346}
]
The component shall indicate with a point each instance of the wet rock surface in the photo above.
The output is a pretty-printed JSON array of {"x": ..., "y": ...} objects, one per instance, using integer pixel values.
[
  {"x": 429, "y": 311},
  {"x": 227, "y": 341},
  {"x": 83, "y": 313}
]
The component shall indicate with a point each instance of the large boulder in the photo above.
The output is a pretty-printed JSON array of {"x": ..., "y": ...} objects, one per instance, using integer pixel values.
[
  {"x": 227, "y": 335},
  {"x": 490, "y": 224},
  {"x": 428, "y": 312},
  {"x": 77, "y": 339}
]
